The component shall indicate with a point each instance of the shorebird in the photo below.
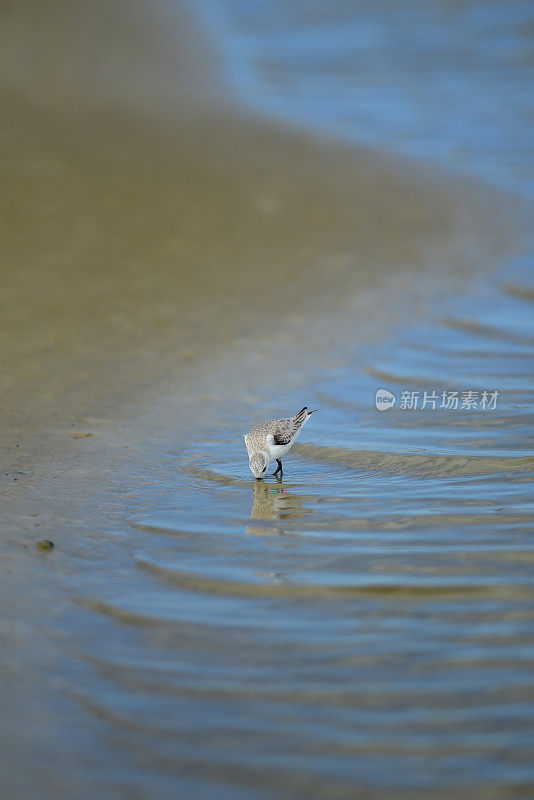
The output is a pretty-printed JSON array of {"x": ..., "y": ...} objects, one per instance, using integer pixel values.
[{"x": 271, "y": 440}]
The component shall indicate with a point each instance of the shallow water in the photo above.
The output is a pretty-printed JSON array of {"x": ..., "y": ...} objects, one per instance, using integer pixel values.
[
  {"x": 362, "y": 628},
  {"x": 367, "y": 621},
  {"x": 448, "y": 82}
]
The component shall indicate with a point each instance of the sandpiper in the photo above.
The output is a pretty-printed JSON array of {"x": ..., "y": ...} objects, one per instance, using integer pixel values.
[{"x": 271, "y": 440}]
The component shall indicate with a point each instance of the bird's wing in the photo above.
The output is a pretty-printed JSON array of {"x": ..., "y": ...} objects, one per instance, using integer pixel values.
[{"x": 283, "y": 434}]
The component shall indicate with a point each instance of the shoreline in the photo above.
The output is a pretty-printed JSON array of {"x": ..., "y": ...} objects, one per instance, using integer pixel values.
[
  {"x": 135, "y": 237},
  {"x": 131, "y": 261},
  {"x": 137, "y": 248}
]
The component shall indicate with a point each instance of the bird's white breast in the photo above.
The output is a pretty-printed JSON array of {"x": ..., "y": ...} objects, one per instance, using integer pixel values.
[{"x": 278, "y": 450}]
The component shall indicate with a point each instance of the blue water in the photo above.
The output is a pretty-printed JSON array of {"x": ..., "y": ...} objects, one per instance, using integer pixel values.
[
  {"x": 362, "y": 628},
  {"x": 442, "y": 81}
]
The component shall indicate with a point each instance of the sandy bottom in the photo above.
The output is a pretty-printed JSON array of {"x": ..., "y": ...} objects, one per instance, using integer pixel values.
[{"x": 168, "y": 266}]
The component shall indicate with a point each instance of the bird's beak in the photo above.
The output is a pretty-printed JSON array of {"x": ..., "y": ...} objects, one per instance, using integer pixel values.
[{"x": 258, "y": 479}]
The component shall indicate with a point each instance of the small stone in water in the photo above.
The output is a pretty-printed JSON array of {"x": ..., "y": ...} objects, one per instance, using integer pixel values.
[{"x": 45, "y": 544}]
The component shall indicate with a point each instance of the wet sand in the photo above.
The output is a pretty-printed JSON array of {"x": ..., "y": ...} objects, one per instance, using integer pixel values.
[
  {"x": 149, "y": 238},
  {"x": 133, "y": 247}
]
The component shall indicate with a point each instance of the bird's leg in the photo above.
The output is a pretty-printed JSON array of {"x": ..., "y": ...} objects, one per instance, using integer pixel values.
[{"x": 279, "y": 468}]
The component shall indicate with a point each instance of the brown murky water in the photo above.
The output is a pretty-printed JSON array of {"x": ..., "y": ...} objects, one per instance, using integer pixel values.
[{"x": 175, "y": 269}]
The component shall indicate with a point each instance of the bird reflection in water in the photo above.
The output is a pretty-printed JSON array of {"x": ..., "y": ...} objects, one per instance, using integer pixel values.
[{"x": 273, "y": 502}]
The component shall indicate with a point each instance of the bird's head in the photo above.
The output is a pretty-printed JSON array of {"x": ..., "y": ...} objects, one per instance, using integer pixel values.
[{"x": 258, "y": 464}]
